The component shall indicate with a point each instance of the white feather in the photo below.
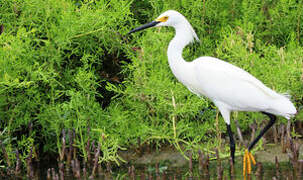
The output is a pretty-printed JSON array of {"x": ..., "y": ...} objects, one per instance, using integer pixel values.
[{"x": 229, "y": 87}]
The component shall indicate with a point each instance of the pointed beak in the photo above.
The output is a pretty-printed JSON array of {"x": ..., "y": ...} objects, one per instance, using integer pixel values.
[{"x": 145, "y": 26}]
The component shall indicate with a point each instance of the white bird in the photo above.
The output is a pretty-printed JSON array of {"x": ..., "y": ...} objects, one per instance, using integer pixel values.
[{"x": 229, "y": 87}]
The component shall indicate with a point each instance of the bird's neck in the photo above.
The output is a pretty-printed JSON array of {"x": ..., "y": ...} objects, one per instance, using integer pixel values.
[{"x": 182, "y": 38}]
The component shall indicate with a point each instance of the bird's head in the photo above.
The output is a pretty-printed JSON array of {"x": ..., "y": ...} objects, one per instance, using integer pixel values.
[{"x": 169, "y": 18}]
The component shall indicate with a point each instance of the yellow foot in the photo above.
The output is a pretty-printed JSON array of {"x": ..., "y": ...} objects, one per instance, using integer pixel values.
[{"x": 247, "y": 159}]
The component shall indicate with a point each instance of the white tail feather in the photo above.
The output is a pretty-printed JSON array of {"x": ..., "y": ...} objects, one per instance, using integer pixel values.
[{"x": 283, "y": 107}]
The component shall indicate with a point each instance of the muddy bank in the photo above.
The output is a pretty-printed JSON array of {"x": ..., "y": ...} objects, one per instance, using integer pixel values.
[{"x": 175, "y": 159}]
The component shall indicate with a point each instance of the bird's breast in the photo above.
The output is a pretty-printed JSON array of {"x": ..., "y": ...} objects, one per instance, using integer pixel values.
[{"x": 186, "y": 76}]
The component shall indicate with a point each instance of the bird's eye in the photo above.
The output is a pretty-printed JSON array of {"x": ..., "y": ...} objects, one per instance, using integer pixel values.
[{"x": 162, "y": 19}]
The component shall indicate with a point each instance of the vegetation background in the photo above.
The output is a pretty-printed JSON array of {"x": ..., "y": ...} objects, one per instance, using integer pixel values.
[{"x": 67, "y": 64}]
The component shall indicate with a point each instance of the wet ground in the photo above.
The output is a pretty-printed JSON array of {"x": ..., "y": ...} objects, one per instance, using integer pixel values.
[
  {"x": 285, "y": 171},
  {"x": 269, "y": 172},
  {"x": 170, "y": 164}
]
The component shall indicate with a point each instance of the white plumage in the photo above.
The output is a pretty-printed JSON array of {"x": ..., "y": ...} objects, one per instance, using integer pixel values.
[{"x": 229, "y": 87}]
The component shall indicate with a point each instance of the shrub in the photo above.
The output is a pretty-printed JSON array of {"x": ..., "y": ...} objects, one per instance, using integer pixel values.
[{"x": 68, "y": 65}]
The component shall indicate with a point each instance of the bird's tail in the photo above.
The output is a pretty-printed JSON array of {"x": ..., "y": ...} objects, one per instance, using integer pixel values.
[{"x": 284, "y": 107}]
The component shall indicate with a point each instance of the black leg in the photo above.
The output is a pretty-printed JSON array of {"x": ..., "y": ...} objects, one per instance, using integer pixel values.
[
  {"x": 231, "y": 143},
  {"x": 263, "y": 131}
]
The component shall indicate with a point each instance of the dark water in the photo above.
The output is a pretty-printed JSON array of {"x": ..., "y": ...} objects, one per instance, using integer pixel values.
[
  {"x": 269, "y": 172},
  {"x": 166, "y": 170}
]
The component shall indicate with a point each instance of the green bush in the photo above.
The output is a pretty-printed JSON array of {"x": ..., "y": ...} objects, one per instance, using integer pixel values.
[
  {"x": 56, "y": 57},
  {"x": 68, "y": 65}
]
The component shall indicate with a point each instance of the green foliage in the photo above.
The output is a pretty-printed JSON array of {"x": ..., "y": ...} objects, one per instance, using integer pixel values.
[
  {"x": 62, "y": 62},
  {"x": 56, "y": 57}
]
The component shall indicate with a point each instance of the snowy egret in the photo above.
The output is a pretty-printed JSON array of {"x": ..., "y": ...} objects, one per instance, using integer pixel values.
[{"x": 229, "y": 87}]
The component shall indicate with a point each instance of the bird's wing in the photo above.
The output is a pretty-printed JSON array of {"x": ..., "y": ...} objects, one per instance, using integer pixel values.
[{"x": 222, "y": 81}]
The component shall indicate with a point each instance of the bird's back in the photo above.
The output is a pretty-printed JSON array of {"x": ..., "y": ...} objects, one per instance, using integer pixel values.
[{"x": 239, "y": 90}]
